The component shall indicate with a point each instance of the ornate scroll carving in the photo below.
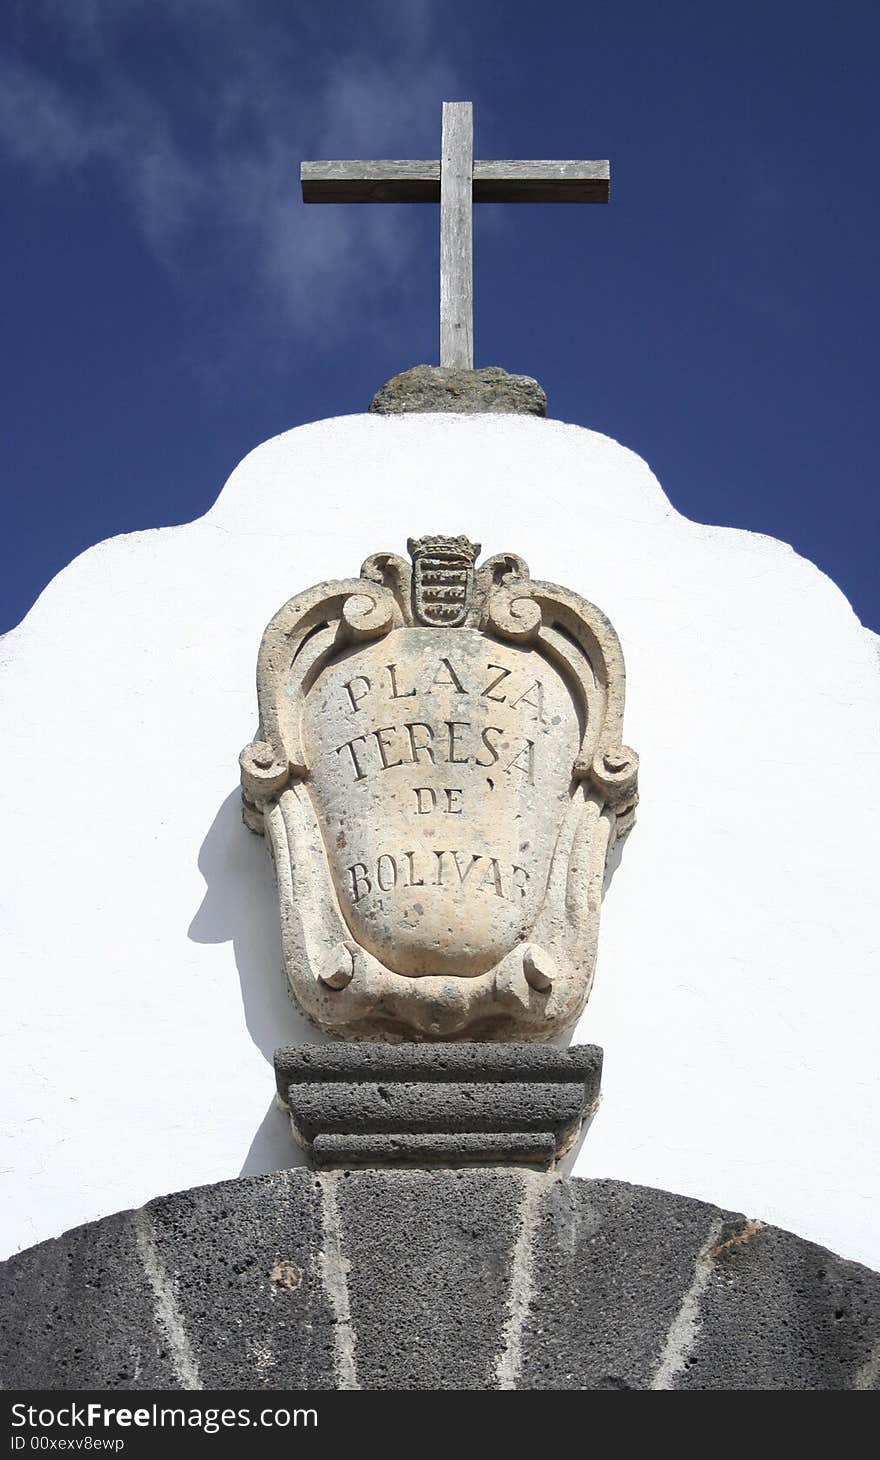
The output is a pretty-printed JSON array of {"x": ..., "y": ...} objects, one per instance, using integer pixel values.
[{"x": 440, "y": 774}]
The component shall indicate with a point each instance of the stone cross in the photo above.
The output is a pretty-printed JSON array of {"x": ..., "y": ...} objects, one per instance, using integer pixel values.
[{"x": 456, "y": 181}]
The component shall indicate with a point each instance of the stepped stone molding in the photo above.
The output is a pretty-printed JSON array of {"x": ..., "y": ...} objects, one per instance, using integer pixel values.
[
  {"x": 440, "y": 774},
  {"x": 429, "y": 1104},
  {"x": 431, "y": 1280}
]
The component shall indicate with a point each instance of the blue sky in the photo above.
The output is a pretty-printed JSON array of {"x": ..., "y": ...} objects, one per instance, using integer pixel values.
[{"x": 169, "y": 302}]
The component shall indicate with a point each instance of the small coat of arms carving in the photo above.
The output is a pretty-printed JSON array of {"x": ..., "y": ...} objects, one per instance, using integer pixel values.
[
  {"x": 443, "y": 571},
  {"x": 440, "y": 776}
]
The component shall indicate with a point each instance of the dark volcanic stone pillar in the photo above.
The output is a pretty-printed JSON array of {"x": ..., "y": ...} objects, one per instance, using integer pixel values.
[{"x": 430, "y": 1255}]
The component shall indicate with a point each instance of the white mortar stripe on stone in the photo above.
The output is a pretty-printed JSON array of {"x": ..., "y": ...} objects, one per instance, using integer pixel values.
[
  {"x": 168, "y": 1314},
  {"x": 334, "y": 1274},
  {"x": 868, "y": 1376},
  {"x": 684, "y": 1327},
  {"x": 521, "y": 1288}
]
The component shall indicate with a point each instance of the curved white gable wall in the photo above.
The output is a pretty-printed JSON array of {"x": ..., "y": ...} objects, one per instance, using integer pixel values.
[{"x": 736, "y": 994}]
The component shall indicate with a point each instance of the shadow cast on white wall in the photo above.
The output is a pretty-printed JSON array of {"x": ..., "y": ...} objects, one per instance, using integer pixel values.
[{"x": 240, "y": 906}]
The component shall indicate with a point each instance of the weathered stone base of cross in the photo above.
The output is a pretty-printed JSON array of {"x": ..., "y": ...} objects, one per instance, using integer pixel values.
[
  {"x": 490, "y": 390},
  {"x": 437, "y": 1104}
]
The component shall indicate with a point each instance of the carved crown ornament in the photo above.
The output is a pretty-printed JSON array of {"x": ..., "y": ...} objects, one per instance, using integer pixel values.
[{"x": 440, "y": 776}]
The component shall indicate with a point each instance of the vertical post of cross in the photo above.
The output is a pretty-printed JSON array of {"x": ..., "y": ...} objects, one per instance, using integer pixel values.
[{"x": 456, "y": 236}]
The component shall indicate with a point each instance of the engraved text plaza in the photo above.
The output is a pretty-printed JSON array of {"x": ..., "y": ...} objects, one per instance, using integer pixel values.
[{"x": 456, "y": 742}]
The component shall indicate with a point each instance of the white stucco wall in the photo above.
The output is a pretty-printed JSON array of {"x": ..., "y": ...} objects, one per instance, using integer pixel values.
[{"x": 736, "y": 994}]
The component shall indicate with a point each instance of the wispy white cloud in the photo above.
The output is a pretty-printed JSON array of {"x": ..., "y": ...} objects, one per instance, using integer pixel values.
[
  {"x": 205, "y": 148},
  {"x": 44, "y": 129}
]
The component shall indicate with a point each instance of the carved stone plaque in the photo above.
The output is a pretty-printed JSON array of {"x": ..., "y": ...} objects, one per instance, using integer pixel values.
[{"x": 440, "y": 775}]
